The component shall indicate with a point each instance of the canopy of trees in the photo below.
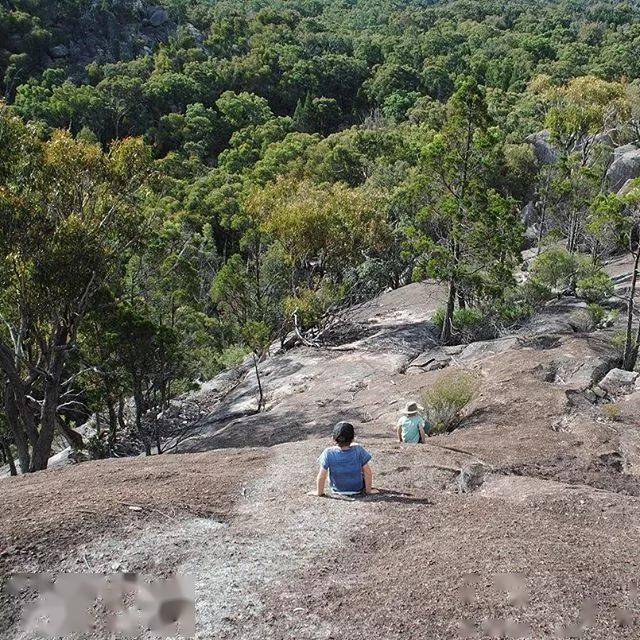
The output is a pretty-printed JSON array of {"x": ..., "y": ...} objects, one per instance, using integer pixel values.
[{"x": 180, "y": 189}]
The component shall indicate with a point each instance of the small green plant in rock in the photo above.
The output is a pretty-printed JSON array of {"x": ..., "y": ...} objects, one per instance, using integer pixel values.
[
  {"x": 448, "y": 397},
  {"x": 618, "y": 342},
  {"x": 513, "y": 308},
  {"x": 611, "y": 412},
  {"x": 309, "y": 305},
  {"x": 472, "y": 324},
  {"x": 438, "y": 317},
  {"x": 596, "y": 313}
]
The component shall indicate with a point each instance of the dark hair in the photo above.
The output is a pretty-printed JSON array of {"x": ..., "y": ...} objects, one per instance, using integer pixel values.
[{"x": 343, "y": 433}]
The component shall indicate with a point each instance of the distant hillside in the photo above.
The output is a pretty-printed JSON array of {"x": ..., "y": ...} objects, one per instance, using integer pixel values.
[{"x": 72, "y": 33}]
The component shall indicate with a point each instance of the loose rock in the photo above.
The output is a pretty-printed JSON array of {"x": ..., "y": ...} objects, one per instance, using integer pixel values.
[{"x": 619, "y": 382}]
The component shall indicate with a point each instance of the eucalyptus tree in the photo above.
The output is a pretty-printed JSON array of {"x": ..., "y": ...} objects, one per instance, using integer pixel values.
[{"x": 68, "y": 219}]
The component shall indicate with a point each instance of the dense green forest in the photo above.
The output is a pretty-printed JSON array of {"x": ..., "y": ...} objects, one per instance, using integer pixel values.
[{"x": 186, "y": 184}]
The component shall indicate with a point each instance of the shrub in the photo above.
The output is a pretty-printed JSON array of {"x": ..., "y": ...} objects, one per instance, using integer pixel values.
[
  {"x": 447, "y": 398},
  {"x": 535, "y": 293},
  {"x": 555, "y": 268},
  {"x": 595, "y": 287},
  {"x": 309, "y": 305},
  {"x": 513, "y": 309},
  {"x": 582, "y": 321},
  {"x": 618, "y": 341},
  {"x": 438, "y": 317},
  {"x": 611, "y": 412},
  {"x": 469, "y": 324},
  {"x": 596, "y": 313},
  {"x": 232, "y": 356}
]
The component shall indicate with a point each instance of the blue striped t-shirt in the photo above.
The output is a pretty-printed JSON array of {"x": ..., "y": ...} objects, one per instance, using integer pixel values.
[{"x": 345, "y": 467}]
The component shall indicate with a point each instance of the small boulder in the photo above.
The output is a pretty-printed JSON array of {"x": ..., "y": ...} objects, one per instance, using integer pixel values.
[
  {"x": 544, "y": 151},
  {"x": 625, "y": 148},
  {"x": 454, "y": 349},
  {"x": 619, "y": 382},
  {"x": 158, "y": 16},
  {"x": 472, "y": 477},
  {"x": 59, "y": 51},
  {"x": 625, "y": 167},
  {"x": 627, "y": 187},
  {"x": 429, "y": 361},
  {"x": 529, "y": 214},
  {"x": 590, "y": 395},
  {"x": 599, "y": 392},
  {"x": 540, "y": 342},
  {"x": 487, "y": 348}
]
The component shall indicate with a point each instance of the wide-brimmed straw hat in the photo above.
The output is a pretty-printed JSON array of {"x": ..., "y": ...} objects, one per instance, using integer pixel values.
[{"x": 411, "y": 408}]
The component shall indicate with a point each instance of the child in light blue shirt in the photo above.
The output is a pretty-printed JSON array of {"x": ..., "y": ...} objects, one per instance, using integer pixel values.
[{"x": 411, "y": 425}]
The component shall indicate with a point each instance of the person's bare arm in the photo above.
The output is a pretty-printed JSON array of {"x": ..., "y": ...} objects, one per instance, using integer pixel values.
[
  {"x": 399, "y": 432},
  {"x": 368, "y": 478},
  {"x": 423, "y": 437},
  {"x": 320, "y": 481}
]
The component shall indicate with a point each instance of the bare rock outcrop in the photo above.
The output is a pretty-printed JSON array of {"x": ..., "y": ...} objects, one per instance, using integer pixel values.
[
  {"x": 625, "y": 167},
  {"x": 619, "y": 382},
  {"x": 544, "y": 151}
]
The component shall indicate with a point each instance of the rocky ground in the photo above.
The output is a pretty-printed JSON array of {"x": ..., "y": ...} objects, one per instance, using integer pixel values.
[{"x": 523, "y": 523}]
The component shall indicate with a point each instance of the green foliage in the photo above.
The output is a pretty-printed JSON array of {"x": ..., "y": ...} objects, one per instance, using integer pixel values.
[
  {"x": 596, "y": 313},
  {"x": 534, "y": 293},
  {"x": 618, "y": 343},
  {"x": 69, "y": 217},
  {"x": 510, "y": 312},
  {"x": 244, "y": 162},
  {"x": 596, "y": 287},
  {"x": 239, "y": 110},
  {"x": 608, "y": 223},
  {"x": 309, "y": 306},
  {"x": 557, "y": 268},
  {"x": 470, "y": 233},
  {"x": 447, "y": 398},
  {"x": 256, "y": 335}
]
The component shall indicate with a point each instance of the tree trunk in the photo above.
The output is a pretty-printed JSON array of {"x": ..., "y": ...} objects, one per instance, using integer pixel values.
[
  {"x": 145, "y": 441},
  {"x": 19, "y": 434},
  {"x": 447, "y": 324},
  {"x": 260, "y": 390},
  {"x": 113, "y": 425},
  {"x": 158, "y": 439},
  {"x": 121, "y": 421},
  {"x": 541, "y": 230},
  {"x": 631, "y": 349},
  {"x": 6, "y": 448},
  {"x": 636, "y": 349},
  {"x": 48, "y": 417}
]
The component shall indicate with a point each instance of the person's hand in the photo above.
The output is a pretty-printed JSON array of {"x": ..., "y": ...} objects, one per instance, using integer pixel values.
[
  {"x": 315, "y": 494},
  {"x": 372, "y": 492}
]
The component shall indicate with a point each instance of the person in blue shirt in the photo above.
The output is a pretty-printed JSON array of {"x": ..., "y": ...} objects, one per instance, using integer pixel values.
[{"x": 346, "y": 465}]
